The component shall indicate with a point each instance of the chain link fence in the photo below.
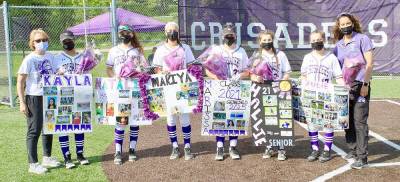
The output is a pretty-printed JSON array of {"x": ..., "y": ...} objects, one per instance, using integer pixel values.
[{"x": 4, "y": 80}]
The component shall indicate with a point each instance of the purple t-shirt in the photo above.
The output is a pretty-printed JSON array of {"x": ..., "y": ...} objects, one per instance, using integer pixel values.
[{"x": 354, "y": 51}]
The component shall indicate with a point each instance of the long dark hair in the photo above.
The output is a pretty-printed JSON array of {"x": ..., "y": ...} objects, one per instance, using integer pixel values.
[
  {"x": 135, "y": 43},
  {"x": 337, "y": 34}
]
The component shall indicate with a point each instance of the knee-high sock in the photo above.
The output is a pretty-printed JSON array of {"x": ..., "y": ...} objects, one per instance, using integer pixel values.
[
  {"x": 119, "y": 139},
  {"x": 187, "y": 131},
  {"x": 64, "y": 143},
  {"x": 79, "y": 142},
  {"x": 220, "y": 141},
  {"x": 314, "y": 140},
  {"x": 233, "y": 141},
  {"x": 172, "y": 135},
  {"x": 328, "y": 141},
  {"x": 133, "y": 136}
]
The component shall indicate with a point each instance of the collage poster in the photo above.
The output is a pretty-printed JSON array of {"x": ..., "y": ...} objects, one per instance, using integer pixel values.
[
  {"x": 323, "y": 105},
  {"x": 118, "y": 101},
  {"x": 67, "y": 102},
  {"x": 271, "y": 114},
  {"x": 226, "y": 108},
  {"x": 179, "y": 88}
]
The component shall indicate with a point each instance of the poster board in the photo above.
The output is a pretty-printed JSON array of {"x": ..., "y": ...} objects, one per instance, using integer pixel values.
[
  {"x": 173, "y": 93},
  {"x": 118, "y": 101},
  {"x": 67, "y": 102},
  {"x": 271, "y": 114},
  {"x": 226, "y": 107},
  {"x": 324, "y": 105}
]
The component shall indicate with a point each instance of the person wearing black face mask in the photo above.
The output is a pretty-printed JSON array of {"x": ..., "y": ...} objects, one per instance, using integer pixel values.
[
  {"x": 320, "y": 66},
  {"x": 67, "y": 63},
  {"x": 354, "y": 51},
  {"x": 125, "y": 38},
  {"x": 173, "y": 35}
]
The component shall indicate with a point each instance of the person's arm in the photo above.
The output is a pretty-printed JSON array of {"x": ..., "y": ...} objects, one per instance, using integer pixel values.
[
  {"x": 211, "y": 75},
  {"x": 286, "y": 69},
  {"x": 110, "y": 71},
  {"x": 286, "y": 76},
  {"x": 368, "y": 72},
  {"x": 245, "y": 74},
  {"x": 21, "y": 83},
  {"x": 340, "y": 81}
]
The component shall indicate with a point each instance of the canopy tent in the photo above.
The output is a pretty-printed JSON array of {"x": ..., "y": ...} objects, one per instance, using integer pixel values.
[{"x": 102, "y": 23}]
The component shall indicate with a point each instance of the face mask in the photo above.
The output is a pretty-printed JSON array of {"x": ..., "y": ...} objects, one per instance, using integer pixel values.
[
  {"x": 172, "y": 36},
  {"x": 42, "y": 46},
  {"x": 69, "y": 45},
  {"x": 317, "y": 45},
  {"x": 125, "y": 38},
  {"x": 229, "y": 40},
  {"x": 267, "y": 45},
  {"x": 347, "y": 30}
]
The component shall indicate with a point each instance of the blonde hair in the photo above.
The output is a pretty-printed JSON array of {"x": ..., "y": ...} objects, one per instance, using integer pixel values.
[
  {"x": 32, "y": 36},
  {"x": 318, "y": 32},
  {"x": 171, "y": 24}
]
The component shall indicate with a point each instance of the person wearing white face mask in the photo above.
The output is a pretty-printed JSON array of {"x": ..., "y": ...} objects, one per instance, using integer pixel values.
[{"x": 30, "y": 93}]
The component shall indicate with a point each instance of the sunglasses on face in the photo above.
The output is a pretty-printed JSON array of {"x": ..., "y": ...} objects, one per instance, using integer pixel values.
[{"x": 41, "y": 40}]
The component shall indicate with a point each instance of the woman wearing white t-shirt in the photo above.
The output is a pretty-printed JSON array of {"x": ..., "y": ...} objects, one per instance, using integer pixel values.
[
  {"x": 129, "y": 49},
  {"x": 320, "y": 66},
  {"x": 173, "y": 56},
  {"x": 279, "y": 69},
  {"x": 237, "y": 65},
  {"x": 30, "y": 93}
]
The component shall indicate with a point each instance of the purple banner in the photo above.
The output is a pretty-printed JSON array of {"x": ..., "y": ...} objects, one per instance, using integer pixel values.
[{"x": 201, "y": 23}]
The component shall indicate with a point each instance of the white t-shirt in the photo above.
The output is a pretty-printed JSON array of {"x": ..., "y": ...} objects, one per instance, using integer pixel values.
[
  {"x": 321, "y": 70},
  {"x": 32, "y": 65},
  {"x": 163, "y": 50},
  {"x": 280, "y": 67},
  {"x": 69, "y": 64},
  {"x": 118, "y": 55},
  {"x": 237, "y": 59}
]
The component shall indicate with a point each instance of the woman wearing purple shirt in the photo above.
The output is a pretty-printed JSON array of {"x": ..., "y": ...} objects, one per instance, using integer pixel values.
[{"x": 354, "y": 52}]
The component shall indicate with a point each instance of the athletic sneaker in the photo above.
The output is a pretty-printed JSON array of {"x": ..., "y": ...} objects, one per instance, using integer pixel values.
[
  {"x": 188, "y": 153},
  {"x": 50, "y": 162},
  {"x": 234, "y": 153},
  {"x": 132, "y": 155},
  {"x": 268, "y": 153},
  {"x": 68, "y": 162},
  {"x": 36, "y": 168},
  {"x": 82, "y": 160},
  {"x": 175, "y": 153},
  {"x": 313, "y": 156},
  {"x": 117, "y": 158},
  {"x": 220, "y": 154},
  {"x": 351, "y": 155},
  {"x": 281, "y": 155},
  {"x": 325, "y": 156},
  {"x": 359, "y": 164}
]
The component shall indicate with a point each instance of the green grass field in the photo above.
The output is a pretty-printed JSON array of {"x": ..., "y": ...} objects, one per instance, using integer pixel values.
[{"x": 13, "y": 151}]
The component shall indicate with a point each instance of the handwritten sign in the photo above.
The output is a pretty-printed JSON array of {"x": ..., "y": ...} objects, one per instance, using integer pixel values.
[
  {"x": 226, "y": 107},
  {"x": 118, "y": 101},
  {"x": 271, "y": 114},
  {"x": 323, "y": 105},
  {"x": 67, "y": 102},
  {"x": 173, "y": 93}
]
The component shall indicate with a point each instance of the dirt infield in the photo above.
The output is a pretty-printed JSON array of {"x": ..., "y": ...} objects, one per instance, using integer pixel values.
[{"x": 154, "y": 149}]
